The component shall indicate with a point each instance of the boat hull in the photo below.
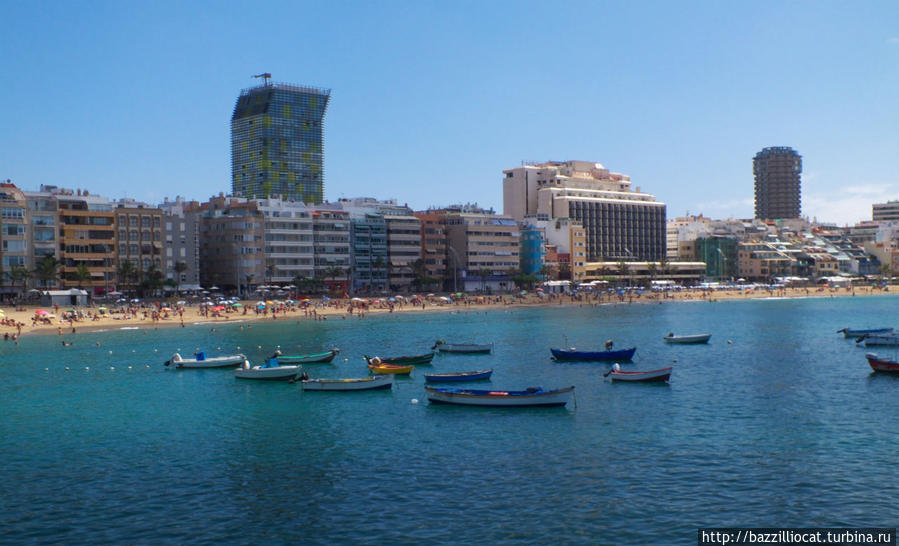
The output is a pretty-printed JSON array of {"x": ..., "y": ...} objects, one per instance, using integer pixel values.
[
  {"x": 688, "y": 340},
  {"x": 412, "y": 360},
  {"x": 362, "y": 384},
  {"x": 216, "y": 362},
  {"x": 849, "y": 332},
  {"x": 461, "y": 376},
  {"x": 506, "y": 399},
  {"x": 565, "y": 354},
  {"x": 275, "y": 373},
  {"x": 655, "y": 376},
  {"x": 318, "y": 358},
  {"x": 882, "y": 364},
  {"x": 873, "y": 340},
  {"x": 384, "y": 369},
  {"x": 464, "y": 348}
]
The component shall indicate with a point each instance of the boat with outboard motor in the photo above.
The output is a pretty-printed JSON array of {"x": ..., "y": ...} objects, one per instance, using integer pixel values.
[{"x": 200, "y": 360}]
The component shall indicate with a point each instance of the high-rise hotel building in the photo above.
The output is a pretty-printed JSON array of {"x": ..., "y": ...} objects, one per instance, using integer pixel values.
[
  {"x": 777, "y": 183},
  {"x": 276, "y": 142},
  {"x": 620, "y": 223}
]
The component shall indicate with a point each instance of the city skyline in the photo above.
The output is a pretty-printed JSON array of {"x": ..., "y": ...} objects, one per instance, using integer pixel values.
[{"x": 431, "y": 103}]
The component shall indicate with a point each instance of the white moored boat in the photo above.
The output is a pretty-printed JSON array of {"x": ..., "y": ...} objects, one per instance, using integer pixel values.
[
  {"x": 201, "y": 361},
  {"x": 471, "y": 348},
  {"x": 360, "y": 384},
  {"x": 270, "y": 371},
  {"x": 688, "y": 340}
]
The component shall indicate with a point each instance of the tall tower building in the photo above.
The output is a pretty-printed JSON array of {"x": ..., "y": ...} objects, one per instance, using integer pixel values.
[
  {"x": 276, "y": 142},
  {"x": 777, "y": 183}
]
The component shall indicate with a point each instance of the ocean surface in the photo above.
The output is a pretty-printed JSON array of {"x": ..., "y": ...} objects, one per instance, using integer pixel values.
[{"x": 777, "y": 422}]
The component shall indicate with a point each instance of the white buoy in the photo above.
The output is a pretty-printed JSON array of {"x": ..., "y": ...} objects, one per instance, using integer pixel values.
[
  {"x": 112, "y": 367},
  {"x": 346, "y": 359},
  {"x": 87, "y": 368},
  {"x": 259, "y": 346},
  {"x": 729, "y": 342},
  {"x": 148, "y": 365},
  {"x": 110, "y": 352},
  {"x": 238, "y": 347},
  {"x": 46, "y": 369},
  {"x": 133, "y": 350},
  {"x": 67, "y": 368},
  {"x": 415, "y": 400}
]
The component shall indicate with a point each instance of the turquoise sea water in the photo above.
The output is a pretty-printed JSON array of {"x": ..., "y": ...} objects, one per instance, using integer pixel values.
[{"x": 785, "y": 426}]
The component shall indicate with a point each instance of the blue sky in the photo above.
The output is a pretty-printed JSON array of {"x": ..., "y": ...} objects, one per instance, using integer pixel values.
[{"x": 432, "y": 100}]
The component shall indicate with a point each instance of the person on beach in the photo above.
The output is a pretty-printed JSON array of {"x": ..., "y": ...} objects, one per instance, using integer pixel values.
[{"x": 609, "y": 345}]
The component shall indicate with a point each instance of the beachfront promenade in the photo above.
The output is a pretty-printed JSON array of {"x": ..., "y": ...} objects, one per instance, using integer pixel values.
[{"x": 32, "y": 319}]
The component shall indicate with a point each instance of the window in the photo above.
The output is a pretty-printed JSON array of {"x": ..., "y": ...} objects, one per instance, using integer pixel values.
[
  {"x": 13, "y": 229},
  {"x": 7, "y": 212}
]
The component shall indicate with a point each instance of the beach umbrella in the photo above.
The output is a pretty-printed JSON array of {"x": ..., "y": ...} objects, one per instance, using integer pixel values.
[
  {"x": 391, "y": 299},
  {"x": 218, "y": 308},
  {"x": 431, "y": 295},
  {"x": 399, "y": 297},
  {"x": 237, "y": 304},
  {"x": 2, "y": 312},
  {"x": 41, "y": 312},
  {"x": 326, "y": 298}
]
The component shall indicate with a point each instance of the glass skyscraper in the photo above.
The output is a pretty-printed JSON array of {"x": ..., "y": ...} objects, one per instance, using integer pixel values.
[{"x": 276, "y": 142}]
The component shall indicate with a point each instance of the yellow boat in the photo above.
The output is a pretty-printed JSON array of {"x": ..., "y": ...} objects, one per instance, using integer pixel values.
[{"x": 390, "y": 368}]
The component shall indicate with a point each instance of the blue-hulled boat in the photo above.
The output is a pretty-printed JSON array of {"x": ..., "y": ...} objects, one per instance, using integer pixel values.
[
  {"x": 574, "y": 354},
  {"x": 850, "y": 332},
  {"x": 458, "y": 376},
  {"x": 532, "y": 397}
]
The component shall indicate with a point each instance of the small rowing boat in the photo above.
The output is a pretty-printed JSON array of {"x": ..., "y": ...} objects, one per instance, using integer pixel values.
[
  {"x": 531, "y": 397},
  {"x": 270, "y": 371},
  {"x": 200, "y": 360},
  {"x": 458, "y": 376},
  {"x": 574, "y": 354},
  {"x": 316, "y": 358},
  {"x": 412, "y": 360},
  {"x": 855, "y": 333},
  {"x": 879, "y": 364},
  {"x": 654, "y": 376},
  {"x": 469, "y": 348},
  {"x": 871, "y": 340},
  {"x": 361, "y": 384},
  {"x": 687, "y": 340},
  {"x": 389, "y": 369}
]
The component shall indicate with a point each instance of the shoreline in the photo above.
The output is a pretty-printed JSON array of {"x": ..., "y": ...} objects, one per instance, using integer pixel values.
[{"x": 338, "y": 309}]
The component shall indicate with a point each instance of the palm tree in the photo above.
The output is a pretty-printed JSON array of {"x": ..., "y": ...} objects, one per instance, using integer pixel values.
[
  {"x": 48, "y": 270},
  {"x": 153, "y": 278},
  {"x": 623, "y": 270},
  {"x": 82, "y": 275},
  {"x": 18, "y": 275},
  {"x": 333, "y": 272},
  {"x": 653, "y": 269},
  {"x": 483, "y": 273},
  {"x": 126, "y": 272},
  {"x": 249, "y": 278},
  {"x": 179, "y": 268}
]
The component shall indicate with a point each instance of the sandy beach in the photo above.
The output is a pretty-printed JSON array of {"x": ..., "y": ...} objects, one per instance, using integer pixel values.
[{"x": 38, "y": 320}]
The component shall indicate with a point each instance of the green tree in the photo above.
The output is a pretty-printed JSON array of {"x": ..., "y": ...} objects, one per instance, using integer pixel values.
[
  {"x": 47, "y": 270},
  {"x": 82, "y": 275},
  {"x": 153, "y": 280},
  {"x": 623, "y": 270},
  {"x": 126, "y": 273},
  {"x": 179, "y": 268},
  {"x": 18, "y": 275},
  {"x": 483, "y": 273}
]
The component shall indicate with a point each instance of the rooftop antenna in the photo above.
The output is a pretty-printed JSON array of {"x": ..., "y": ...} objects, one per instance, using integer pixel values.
[{"x": 266, "y": 76}]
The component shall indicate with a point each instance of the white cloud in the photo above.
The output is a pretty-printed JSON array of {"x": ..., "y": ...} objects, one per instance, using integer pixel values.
[
  {"x": 733, "y": 208},
  {"x": 893, "y": 40},
  {"x": 847, "y": 205}
]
